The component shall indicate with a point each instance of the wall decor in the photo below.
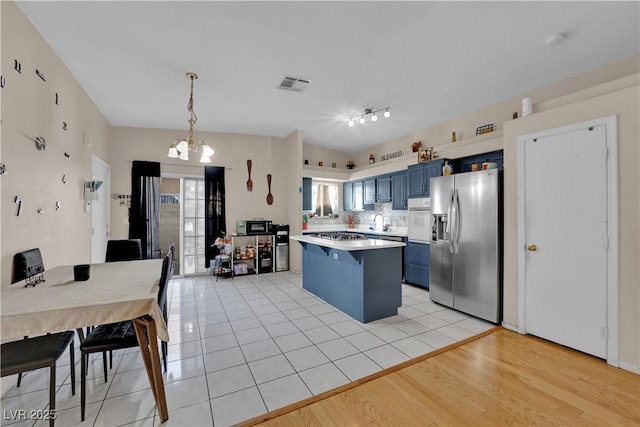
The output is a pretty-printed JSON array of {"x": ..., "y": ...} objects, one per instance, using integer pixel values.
[
  {"x": 269, "y": 196},
  {"x": 57, "y": 99},
  {"x": 249, "y": 182},
  {"x": 2, "y": 81},
  {"x": 67, "y": 155},
  {"x": 64, "y": 179},
  {"x": 19, "y": 201},
  {"x": 333, "y": 165},
  {"x": 64, "y": 126},
  {"x": 480, "y": 130},
  {"x": 416, "y": 146},
  {"x": 454, "y": 138},
  {"x": 40, "y": 210},
  {"x": 57, "y": 206},
  {"x": 390, "y": 155},
  {"x": 125, "y": 199},
  {"x": 425, "y": 154},
  {"x": 350, "y": 164},
  {"x": 3, "y": 170},
  {"x": 41, "y": 75},
  {"x": 17, "y": 66},
  {"x": 41, "y": 144}
]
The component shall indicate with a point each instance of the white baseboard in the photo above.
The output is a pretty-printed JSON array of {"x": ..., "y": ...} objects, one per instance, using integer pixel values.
[
  {"x": 629, "y": 367},
  {"x": 509, "y": 327}
]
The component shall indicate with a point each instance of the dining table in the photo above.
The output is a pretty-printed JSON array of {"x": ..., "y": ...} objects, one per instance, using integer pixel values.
[{"x": 114, "y": 292}]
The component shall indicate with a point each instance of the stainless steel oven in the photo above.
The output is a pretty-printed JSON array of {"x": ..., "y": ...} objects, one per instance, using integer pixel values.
[{"x": 419, "y": 229}]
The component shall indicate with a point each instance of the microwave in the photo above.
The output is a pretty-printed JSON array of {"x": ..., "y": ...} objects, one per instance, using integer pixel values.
[{"x": 253, "y": 227}]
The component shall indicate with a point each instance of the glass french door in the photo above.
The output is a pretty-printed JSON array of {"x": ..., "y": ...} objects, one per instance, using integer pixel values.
[{"x": 193, "y": 226}]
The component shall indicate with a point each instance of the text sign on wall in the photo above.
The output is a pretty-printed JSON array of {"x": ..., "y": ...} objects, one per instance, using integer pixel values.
[{"x": 391, "y": 155}]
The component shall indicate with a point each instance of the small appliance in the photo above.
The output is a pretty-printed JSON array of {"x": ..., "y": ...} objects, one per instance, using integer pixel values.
[{"x": 253, "y": 227}]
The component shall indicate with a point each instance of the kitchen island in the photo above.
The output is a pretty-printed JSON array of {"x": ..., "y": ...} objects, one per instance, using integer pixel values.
[{"x": 362, "y": 278}]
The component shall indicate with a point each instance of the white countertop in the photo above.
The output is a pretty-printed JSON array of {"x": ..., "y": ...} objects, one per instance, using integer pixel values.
[
  {"x": 394, "y": 231},
  {"x": 349, "y": 245}
]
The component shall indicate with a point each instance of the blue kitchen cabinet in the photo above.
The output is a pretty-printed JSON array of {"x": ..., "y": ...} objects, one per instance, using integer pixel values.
[
  {"x": 464, "y": 164},
  {"x": 417, "y": 264},
  {"x": 399, "y": 191},
  {"x": 419, "y": 177},
  {"x": 306, "y": 194},
  {"x": 369, "y": 191},
  {"x": 347, "y": 197},
  {"x": 383, "y": 189}
]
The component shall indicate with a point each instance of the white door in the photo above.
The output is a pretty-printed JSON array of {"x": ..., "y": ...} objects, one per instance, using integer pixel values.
[
  {"x": 565, "y": 235},
  {"x": 100, "y": 210}
]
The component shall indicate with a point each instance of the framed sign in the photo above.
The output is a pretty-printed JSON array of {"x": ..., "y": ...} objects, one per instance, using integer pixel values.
[{"x": 424, "y": 155}]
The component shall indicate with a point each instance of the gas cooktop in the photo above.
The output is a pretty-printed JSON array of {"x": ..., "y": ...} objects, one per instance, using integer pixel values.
[{"x": 336, "y": 235}]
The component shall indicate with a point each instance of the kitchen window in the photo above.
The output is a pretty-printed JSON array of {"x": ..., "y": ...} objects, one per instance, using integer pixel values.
[{"x": 325, "y": 200}]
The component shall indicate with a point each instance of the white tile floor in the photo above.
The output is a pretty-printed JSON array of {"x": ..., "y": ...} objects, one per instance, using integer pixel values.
[{"x": 242, "y": 347}]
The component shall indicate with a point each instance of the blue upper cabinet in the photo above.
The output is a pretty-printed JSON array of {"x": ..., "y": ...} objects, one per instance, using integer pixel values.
[
  {"x": 419, "y": 177},
  {"x": 383, "y": 189},
  {"x": 306, "y": 194},
  {"x": 399, "y": 191},
  {"x": 369, "y": 191},
  {"x": 347, "y": 196}
]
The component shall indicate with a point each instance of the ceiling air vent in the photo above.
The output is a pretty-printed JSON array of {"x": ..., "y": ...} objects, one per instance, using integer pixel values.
[{"x": 293, "y": 83}]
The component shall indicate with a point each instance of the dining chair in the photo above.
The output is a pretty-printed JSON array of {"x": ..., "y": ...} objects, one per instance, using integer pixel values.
[
  {"x": 38, "y": 352},
  {"x": 28, "y": 266},
  {"x": 123, "y": 250},
  {"x": 119, "y": 335}
]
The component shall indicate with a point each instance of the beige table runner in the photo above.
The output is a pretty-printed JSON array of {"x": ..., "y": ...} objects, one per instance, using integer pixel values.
[{"x": 115, "y": 291}]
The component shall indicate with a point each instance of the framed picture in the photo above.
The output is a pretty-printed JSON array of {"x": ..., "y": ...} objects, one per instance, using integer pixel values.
[{"x": 424, "y": 155}]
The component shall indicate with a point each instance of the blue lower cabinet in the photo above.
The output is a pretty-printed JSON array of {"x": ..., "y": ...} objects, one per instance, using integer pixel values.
[
  {"x": 366, "y": 285},
  {"x": 417, "y": 264}
]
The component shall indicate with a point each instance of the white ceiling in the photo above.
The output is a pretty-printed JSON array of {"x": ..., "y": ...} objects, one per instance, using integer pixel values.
[{"x": 428, "y": 61}]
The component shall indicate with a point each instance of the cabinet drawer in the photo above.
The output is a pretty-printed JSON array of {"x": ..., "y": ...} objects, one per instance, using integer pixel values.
[
  {"x": 418, "y": 253},
  {"x": 417, "y": 275}
]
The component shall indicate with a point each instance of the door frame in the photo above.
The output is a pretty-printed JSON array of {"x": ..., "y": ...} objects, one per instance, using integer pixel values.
[
  {"x": 106, "y": 193},
  {"x": 612, "y": 225}
]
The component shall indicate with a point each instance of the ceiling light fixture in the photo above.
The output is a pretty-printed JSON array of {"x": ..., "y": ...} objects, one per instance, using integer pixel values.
[
  {"x": 368, "y": 111},
  {"x": 180, "y": 148}
]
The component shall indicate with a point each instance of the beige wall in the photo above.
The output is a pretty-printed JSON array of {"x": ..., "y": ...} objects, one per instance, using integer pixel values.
[
  {"x": 231, "y": 152},
  {"x": 62, "y": 235}
]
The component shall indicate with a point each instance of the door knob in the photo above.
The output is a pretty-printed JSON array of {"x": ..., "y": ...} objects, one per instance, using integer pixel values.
[{"x": 532, "y": 248}]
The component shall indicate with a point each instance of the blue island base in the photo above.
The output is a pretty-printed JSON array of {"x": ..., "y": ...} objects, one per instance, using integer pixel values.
[{"x": 366, "y": 284}]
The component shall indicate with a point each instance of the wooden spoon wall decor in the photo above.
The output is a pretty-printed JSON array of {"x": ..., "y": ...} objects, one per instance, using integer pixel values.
[
  {"x": 249, "y": 182},
  {"x": 269, "y": 196}
]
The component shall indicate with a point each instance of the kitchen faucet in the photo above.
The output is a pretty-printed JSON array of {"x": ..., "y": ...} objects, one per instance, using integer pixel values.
[{"x": 375, "y": 221}]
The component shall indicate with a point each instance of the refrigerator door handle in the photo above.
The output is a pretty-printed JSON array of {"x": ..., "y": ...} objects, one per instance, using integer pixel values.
[
  {"x": 449, "y": 226},
  {"x": 457, "y": 227}
]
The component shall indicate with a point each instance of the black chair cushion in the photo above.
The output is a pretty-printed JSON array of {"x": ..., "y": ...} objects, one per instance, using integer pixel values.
[
  {"x": 113, "y": 336},
  {"x": 123, "y": 250},
  {"x": 34, "y": 353},
  {"x": 27, "y": 264}
]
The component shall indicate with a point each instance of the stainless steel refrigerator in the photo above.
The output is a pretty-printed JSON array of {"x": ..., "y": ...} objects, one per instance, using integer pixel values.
[{"x": 465, "y": 271}]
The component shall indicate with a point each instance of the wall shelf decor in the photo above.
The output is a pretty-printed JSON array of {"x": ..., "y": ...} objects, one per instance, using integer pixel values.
[{"x": 41, "y": 75}]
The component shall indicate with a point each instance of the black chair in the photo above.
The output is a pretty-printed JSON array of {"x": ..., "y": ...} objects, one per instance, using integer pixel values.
[
  {"x": 120, "y": 335},
  {"x": 40, "y": 352},
  {"x": 123, "y": 250}
]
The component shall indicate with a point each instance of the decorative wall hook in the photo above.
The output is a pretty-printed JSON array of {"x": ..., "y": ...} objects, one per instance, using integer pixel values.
[{"x": 41, "y": 144}]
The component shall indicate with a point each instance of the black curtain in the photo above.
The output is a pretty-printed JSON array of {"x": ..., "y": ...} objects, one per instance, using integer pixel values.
[
  {"x": 214, "y": 210},
  {"x": 144, "y": 214}
]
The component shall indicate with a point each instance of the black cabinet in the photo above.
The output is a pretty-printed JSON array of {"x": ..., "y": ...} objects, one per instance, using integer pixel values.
[
  {"x": 399, "y": 191},
  {"x": 419, "y": 177},
  {"x": 417, "y": 264},
  {"x": 306, "y": 194}
]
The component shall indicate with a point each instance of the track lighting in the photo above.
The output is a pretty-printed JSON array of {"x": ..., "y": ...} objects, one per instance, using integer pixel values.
[{"x": 374, "y": 116}]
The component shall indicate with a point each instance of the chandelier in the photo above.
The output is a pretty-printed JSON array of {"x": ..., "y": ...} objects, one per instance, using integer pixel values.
[{"x": 180, "y": 149}]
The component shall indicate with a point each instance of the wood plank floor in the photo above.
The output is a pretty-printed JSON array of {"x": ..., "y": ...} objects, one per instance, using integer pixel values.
[{"x": 503, "y": 378}]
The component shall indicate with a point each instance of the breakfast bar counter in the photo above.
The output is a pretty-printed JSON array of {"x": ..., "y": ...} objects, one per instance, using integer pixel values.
[{"x": 362, "y": 278}]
